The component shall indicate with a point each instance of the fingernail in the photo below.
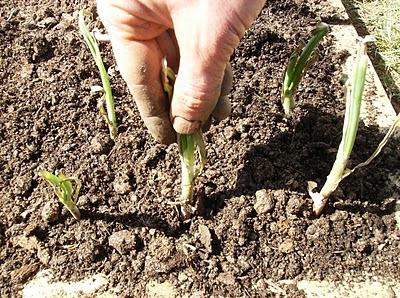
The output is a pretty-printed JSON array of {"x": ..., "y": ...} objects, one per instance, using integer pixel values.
[{"x": 184, "y": 126}]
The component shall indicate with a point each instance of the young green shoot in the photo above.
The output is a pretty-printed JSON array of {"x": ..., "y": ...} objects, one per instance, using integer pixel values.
[
  {"x": 191, "y": 150},
  {"x": 299, "y": 61},
  {"x": 354, "y": 94},
  {"x": 64, "y": 190},
  {"x": 91, "y": 43}
]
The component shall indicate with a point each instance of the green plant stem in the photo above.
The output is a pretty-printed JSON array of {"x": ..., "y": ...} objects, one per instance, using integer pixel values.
[
  {"x": 62, "y": 187},
  {"x": 91, "y": 43},
  {"x": 288, "y": 104},
  {"x": 71, "y": 207},
  {"x": 187, "y": 156},
  {"x": 68, "y": 196},
  {"x": 318, "y": 33},
  {"x": 193, "y": 158},
  {"x": 297, "y": 65},
  {"x": 192, "y": 151},
  {"x": 351, "y": 120}
]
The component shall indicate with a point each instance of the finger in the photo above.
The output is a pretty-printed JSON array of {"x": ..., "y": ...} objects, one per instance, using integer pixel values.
[
  {"x": 204, "y": 55},
  {"x": 197, "y": 88},
  {"x": 140, "y": 66},
  {"x": 227, "y": 81},
  {"x": 169, "y": 47},
  {"x": 223, "y": 107}
]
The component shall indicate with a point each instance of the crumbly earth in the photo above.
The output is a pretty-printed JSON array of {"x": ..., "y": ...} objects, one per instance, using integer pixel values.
[{"x": 257, "y": 223}]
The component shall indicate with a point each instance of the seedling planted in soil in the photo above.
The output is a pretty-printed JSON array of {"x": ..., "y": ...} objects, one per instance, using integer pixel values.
[
  {"x": 91, "y": 43},
  {"x": 298, "y": 63},
  {"x": 62, "y": 187},
  {"x": 191, "y": 150},
  {"x": 354, "y": 94}
]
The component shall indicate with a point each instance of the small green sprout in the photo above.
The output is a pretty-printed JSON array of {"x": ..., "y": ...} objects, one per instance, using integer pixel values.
[
  {"x": 191, "y": 150},
  {"x": 193, "y": 158},
  {"x": 62, "y": 187},
  {"x": 91, "y": 43},
  {"x": 354, "y": 96},
  {"x": 298, "y": 63}
]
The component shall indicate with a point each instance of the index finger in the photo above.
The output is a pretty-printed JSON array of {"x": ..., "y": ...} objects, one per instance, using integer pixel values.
[{"x": 140, "y": 66}]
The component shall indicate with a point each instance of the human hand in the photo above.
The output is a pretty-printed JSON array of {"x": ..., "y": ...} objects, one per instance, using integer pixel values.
[{"x": 197, "y": 37}]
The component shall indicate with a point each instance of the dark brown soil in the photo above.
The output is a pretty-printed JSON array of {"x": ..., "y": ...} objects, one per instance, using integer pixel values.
[{"x": 130, "y": 231}]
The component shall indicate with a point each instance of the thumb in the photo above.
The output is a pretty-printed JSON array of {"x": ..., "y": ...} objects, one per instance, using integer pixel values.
[{"x": 196, "y": 91}]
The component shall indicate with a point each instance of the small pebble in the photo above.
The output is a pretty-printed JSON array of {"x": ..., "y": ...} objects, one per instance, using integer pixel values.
[
  {"x": 99, "y": 143},
  {"x": 123, "y": 241},
  {"x": 21, "y": 184},
  {"x": 205, "y": 237},
  {"x": 121, "y": 184},
  {"x": 286, "y": 246},
  {"x": 294, "y": 205},
  {"x": 82, "y": 201},
  {"x": 43, "y": 255},
  {"x": 226, "y": 278},
  {"x": 230, "y": 133},
  {"x": 339, "y": 215},
  {"x": 264, "y": 202},
  {"x": 182, "y": 277},
  {"x": 50, "y": 211}
]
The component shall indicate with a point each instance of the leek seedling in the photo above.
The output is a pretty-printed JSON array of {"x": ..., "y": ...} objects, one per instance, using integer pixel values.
[
  {"x": 298, "y": 63},
  {"x": 62, "y": 187},
  {"x": 91, "y": 43},
  {"x": 191, "y": 150},
  {"x": 354, "y": 95}
]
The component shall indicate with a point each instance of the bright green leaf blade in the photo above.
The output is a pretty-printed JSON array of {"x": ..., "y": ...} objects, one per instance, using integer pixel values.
[
  {"x": 318, "y": 33},
  {"x": 288, "y": 78},
  {"x": 296, "y": 66},
  {"x": 50, "y": 178},
  {"x": 353, "y": 104},
  {"x": 95, "y": 51},
  {"x": 64, "y": 190}
]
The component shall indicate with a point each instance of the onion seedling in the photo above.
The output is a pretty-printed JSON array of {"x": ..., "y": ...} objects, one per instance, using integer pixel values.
[
  {"x": 91, "y": 43},
  {"x": 63, "y": 189},
  {"x": 354, "y": 93},
  {"x": 191, "y": 150},
  {"x": 298, "y": 63}
]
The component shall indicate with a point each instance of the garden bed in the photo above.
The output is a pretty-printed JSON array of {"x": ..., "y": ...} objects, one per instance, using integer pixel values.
[{"x": 257, "y": 227}]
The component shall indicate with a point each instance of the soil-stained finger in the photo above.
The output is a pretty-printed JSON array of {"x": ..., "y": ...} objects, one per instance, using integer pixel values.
[
  {"x": 169, "y": 47},
  {"x": 227, "y": 81},
  {"x": 223, "y": 108},
  {"x": 140, "y": 66}
]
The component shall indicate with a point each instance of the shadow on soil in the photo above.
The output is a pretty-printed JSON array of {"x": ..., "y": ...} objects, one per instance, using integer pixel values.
[
  {"x": 287, "y": 161},
  {"x": 138, "y": 220},
  {"x": 306, "y": 153}
]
